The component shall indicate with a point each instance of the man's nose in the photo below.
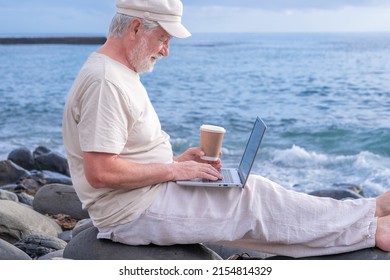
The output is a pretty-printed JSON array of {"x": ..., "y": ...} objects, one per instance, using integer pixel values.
[{"x": 165, "y": 50}]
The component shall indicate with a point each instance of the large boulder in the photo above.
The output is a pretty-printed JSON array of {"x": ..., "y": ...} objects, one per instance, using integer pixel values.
[
  {"x": 18, "y": 220},
  {"x": 55, "y": 199},
  {"x": 85, "y": 246}
]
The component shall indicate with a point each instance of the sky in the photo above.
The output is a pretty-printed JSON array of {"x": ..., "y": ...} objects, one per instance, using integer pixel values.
[{"x": 93, "y": 16}]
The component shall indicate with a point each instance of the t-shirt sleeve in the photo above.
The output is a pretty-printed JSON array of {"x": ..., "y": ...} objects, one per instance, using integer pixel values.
[{"x": 105, "y": 118}]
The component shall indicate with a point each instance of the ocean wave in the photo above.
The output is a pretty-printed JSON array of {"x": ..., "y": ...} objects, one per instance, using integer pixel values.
[
  {"x": 305, "y": 170},
  {"x": 299, "y": 157}
]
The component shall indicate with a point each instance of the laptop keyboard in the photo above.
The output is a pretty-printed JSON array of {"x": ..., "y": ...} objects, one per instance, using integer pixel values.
[{"x": 226, "y": 177}]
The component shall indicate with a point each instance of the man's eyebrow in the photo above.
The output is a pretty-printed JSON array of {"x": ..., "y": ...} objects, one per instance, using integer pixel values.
[{"x": 165, "y": 36}]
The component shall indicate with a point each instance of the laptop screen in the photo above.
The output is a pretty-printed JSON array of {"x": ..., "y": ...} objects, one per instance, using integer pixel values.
[{"x": 251, "y": 149}]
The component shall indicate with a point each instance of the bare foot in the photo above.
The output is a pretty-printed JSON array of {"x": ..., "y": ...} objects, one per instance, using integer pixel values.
[
  {"x": 382, "y": 235},
  {"x": 383, "y": 205}
]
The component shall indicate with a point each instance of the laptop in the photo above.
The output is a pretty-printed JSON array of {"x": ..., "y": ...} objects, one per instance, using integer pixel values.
[{"x": 236, "y": 177}]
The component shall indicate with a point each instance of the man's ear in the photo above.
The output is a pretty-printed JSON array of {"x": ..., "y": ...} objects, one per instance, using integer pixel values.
[{"x": 135, "y": 27}]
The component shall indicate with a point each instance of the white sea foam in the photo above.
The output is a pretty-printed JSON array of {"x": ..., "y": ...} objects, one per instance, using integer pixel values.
[{"x": 305, "y": 170}]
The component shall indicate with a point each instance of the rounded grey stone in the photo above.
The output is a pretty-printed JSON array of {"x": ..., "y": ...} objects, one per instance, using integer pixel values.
[
  {"x": 82, "y": 225},
  {"x": 340, "y": 194},
  {"x": 11, "y": 172},
  {"x": 10, "y": 252},
  {"x": 22, "y": 157},
  {"x": 56, "y": 255},
  {"x": 45, "y": 159},
  {"x": 37, "y": 245},
  {"x": 25, "y": 198},
  {"x": 7, "y": 195},
  {"x": 55, "y": 199},
  {"x": 18, "y": 220}
]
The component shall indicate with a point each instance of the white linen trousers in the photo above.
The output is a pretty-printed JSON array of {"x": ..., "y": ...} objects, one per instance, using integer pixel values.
[{"x": 263, "y": 216}]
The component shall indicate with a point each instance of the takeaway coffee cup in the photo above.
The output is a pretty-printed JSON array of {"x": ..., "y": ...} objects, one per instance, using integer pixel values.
[{"x": 211, "y": 137}]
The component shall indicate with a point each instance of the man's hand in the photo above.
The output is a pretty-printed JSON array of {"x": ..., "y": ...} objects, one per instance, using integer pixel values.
[
  {"x": 194, "y": 154},
  {"x": 189, "y": 165},
  {"x": 188, "y": 170}
]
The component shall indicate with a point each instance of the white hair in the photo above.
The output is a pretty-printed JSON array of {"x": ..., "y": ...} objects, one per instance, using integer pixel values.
[{"x": 120, "y": 23}]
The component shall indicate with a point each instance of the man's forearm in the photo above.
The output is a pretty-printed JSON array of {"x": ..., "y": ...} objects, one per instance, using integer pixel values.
[{"x": 110, "y": 171}]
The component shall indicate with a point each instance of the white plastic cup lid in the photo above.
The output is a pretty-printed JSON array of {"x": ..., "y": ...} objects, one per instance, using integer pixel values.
[{"x": 212, "y": 128}]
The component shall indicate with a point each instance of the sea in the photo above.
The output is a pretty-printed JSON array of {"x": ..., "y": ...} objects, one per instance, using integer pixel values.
[{"x": 325, "y": 98}]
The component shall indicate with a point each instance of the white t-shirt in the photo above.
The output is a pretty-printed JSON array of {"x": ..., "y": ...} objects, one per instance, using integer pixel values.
[{"x": 108, "y": 110}]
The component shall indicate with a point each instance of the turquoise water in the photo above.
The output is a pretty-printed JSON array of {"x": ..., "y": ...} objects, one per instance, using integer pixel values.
[{"x": 324, "y": 97}]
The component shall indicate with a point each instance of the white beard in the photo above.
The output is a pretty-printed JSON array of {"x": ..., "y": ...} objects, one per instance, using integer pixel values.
[{"x": 142, "y": 65}]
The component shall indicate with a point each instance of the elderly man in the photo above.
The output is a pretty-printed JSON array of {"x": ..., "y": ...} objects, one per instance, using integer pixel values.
[{"x": 124, "y": 170}]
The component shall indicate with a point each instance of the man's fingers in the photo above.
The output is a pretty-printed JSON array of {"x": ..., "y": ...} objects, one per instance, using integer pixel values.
[{"x": 212, "y": 173}]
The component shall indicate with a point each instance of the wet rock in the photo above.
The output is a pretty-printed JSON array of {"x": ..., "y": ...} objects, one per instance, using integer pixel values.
[
  {"x": 352, "y": 187},
  {"x": 336, "y": 193},
  {"x": 10, "y": 172},
  {"x": 18, "y": 220},
  {"x": 25, "y": 198},
  {"x": 44, "y": 177},
  {"x": 10, "y": 252},
  {"x": 28, "y": 185},
  {"x": 45, "y": 159},
  {"x": 9, "y": 187},
  {"x": 22, "y": 157},
  {"x": 55, "y": 199},
  {"x": 85, "y": 246},
  {"x": 39, "y": 245},
  {"x": 52, "y": 177}
]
